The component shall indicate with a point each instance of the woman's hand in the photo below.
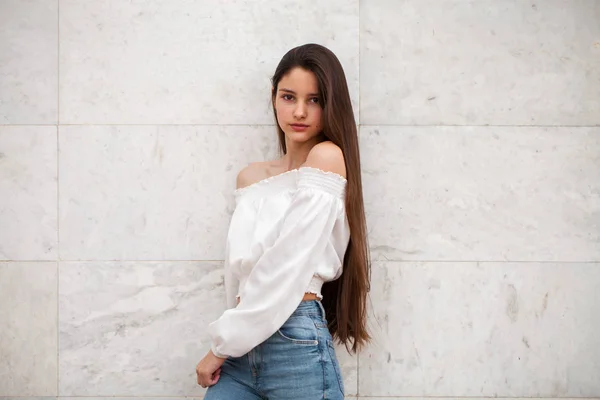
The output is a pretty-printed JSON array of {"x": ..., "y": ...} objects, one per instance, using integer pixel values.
[{"x": 208, "y": 370}]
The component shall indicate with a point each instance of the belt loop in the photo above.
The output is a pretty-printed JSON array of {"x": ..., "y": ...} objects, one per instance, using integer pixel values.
[{"x": 322, "y": 310}]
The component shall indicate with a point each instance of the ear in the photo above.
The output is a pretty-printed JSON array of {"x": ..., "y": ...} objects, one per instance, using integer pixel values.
[{"x": 273, "y": 97}]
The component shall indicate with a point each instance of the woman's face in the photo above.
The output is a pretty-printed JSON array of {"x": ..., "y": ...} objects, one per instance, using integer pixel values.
[{"x": 297, "y": 105}]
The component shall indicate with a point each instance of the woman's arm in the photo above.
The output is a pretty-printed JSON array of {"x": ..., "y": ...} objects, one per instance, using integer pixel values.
[{"x": 278, "y": 281}]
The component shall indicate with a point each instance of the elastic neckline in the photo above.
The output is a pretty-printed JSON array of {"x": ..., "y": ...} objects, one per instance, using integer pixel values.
[{"x": 270, "y": 179}]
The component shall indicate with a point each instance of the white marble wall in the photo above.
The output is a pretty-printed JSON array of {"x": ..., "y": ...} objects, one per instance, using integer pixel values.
[{"x": 122, "y": 127}]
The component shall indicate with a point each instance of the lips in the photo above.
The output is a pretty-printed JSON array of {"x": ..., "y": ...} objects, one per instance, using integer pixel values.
[{"x": 299, "y": 127}]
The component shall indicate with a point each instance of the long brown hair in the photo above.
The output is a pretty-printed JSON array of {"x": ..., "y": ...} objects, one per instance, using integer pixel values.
[{"x": 345, "y": 299}]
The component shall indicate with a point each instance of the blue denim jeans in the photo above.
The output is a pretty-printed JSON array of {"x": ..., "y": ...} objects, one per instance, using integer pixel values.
[{"x": 297, "y": 362}]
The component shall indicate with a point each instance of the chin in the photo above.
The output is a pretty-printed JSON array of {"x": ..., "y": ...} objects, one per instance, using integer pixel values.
[{"x": 300, "y": 137}]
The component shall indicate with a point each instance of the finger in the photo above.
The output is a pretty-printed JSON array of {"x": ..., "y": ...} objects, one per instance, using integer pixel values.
[
  {"x": 202, "y": 379},
  {"x": 215, "y": 378},
  {"x": 206, "y": 379}
]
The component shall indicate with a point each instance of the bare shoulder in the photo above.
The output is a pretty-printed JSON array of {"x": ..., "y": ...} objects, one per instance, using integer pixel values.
[
  {"x": 251, "y": 174},
  {"x": 327, "y": 156}
]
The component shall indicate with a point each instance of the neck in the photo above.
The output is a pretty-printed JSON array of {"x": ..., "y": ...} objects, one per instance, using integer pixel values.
[{"x": 297, "y": 153}]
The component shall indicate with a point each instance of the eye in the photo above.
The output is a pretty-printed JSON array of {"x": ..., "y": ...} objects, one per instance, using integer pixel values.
[
  {"x": 315, "y": 100},
  {"x": 287, "y": 97}
]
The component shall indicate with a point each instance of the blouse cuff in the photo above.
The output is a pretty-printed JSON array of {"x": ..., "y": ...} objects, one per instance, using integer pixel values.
[{"x": 213, "y": 348}]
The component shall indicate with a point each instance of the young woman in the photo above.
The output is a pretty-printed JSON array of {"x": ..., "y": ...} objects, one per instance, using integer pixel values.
[{"x": 297, "y": 263}]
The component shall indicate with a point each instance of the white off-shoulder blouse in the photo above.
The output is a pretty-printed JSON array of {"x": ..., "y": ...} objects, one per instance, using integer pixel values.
[{"x": 287, "y": 236}]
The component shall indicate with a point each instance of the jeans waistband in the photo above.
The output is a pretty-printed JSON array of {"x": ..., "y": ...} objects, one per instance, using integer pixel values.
[{"x": 311, "y": 307}]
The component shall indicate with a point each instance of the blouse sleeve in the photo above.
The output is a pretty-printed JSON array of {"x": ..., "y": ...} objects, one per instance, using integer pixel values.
[
  {"x": 280, "y": 277},
  {"x": 231, "y": 285}
]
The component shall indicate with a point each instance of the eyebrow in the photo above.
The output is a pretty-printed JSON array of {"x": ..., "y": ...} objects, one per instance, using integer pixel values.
[{"x": 292, "y": 92}]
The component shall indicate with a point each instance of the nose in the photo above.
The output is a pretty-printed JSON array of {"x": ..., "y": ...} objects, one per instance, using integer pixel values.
[{"x": 300, "y": 110}]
